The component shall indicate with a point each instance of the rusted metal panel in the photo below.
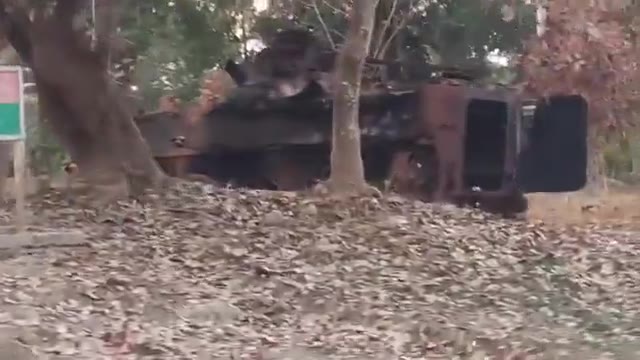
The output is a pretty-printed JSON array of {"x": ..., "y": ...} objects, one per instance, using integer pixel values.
[
  {"x": 405, "y": 175},
  {"x": 159, "y": 130},
  {"x": 443, "y": 113},
  {"x": 176, "y": 166},
  {"x": 263, "y": 130}
]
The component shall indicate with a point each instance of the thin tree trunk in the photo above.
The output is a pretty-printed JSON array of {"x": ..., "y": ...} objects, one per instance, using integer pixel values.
[{"x": 347, "y": 169}]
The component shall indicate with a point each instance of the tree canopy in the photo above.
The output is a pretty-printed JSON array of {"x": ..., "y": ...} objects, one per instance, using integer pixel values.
[{"x": 177, "y": 40}]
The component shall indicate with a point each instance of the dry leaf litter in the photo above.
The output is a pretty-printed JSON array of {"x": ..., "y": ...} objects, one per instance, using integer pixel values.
[{"x": 208, "y": 273}]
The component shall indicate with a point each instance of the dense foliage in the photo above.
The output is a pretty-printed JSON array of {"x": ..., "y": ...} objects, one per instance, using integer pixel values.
[{"x": 177, "y": 40}]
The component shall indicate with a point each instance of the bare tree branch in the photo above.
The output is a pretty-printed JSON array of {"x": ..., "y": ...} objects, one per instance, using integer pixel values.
[
  {"x": 375, "y": 49},
  {"x": 323, "y": 24},
  {"x": 381, "y": 52},
  {"x": 333, "y": 8}
]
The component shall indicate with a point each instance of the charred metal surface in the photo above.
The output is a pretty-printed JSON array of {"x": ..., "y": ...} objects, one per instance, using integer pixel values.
[
  {"x": 384, "y": 117},
  {"x": 297, "y": 167},
  {"x": 237, "y": 168},
  {"x": 507, "y": 201}
]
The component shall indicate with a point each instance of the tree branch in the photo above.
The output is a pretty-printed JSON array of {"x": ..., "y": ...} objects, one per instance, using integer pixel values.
[
  {"x": 375, "y": 49},
  {"x": 327, "y": 33},
  {"x": 335, "y": 9},
  {"x": 381, "y": 52}
]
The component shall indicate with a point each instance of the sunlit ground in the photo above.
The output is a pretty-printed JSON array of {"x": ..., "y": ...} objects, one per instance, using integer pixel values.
[{"x": 620, "y": 206}]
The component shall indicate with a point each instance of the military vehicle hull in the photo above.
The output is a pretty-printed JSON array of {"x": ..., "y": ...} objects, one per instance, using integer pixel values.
[{"x": 436, "y": 141}]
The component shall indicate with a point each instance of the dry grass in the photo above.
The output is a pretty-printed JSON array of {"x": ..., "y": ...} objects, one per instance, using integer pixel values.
[{"x": 620, "y": 206}]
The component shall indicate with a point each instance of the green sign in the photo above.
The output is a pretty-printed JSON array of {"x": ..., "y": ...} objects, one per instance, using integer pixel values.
[{"x": 11, "y": 104}]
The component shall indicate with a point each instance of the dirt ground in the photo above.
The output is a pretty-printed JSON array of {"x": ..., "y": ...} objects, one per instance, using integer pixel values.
[
  {"x": 206, "y": 273},
  {"x": 619, "y": 207}
]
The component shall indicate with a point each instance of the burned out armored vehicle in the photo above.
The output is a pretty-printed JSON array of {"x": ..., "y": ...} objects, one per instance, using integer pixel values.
[{"x": 441, "y": 139}]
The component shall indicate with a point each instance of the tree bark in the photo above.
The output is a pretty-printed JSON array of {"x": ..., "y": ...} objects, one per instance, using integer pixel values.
[
  {"x": 596, "y": 167},
  {"x": 81, "y": 102},
  {"x": 347, "y": 169}
]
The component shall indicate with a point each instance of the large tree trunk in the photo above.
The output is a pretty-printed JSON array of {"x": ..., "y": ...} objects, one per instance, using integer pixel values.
[
  {"x": 82, "y": 104},
  {"x": 347, "y": 170}
]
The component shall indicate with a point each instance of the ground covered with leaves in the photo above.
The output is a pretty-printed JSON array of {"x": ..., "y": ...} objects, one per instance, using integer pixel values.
[{"x": 205, "y": 273}]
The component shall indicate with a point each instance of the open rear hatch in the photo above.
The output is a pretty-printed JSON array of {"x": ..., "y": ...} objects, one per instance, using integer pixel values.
[{"x": 555, "y": 157}]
